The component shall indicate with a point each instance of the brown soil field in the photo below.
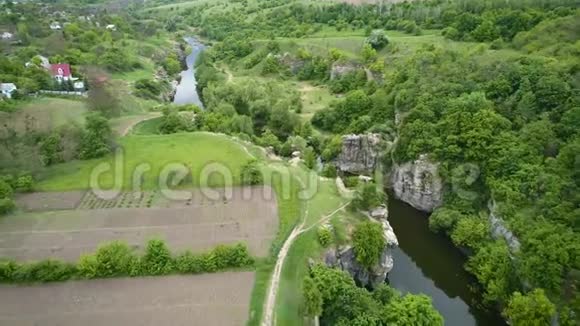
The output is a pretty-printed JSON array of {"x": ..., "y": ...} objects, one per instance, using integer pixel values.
[
  {"x": 44, "y": 201},
  {"x": 199, "y": 224},
  {"x": 209, "y": 299}
]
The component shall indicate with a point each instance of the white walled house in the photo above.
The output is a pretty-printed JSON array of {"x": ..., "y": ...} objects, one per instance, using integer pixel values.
[{"x": 7, "y": 36}]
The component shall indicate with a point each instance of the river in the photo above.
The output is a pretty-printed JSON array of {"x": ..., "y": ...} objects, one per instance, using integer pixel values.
[
  {"x": 425, "y": 262},
  {"x": 428, "y": 263},
  {"x": 186, "y": 92}
]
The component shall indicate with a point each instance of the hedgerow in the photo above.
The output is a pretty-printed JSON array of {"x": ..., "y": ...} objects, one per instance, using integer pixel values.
[{"x": 117, "y": 259}]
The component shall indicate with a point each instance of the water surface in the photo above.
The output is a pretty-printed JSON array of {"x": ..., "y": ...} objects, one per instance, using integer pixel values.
[
  {"x": 186, "y": 92},
  {"x": 428, "y": 263}
]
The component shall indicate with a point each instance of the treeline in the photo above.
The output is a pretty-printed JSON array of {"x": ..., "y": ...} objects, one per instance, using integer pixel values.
[
  {"x": 117, "y": 259},
  {"x": 462, "y": 20},
  {"x": 333, "y": 296}
]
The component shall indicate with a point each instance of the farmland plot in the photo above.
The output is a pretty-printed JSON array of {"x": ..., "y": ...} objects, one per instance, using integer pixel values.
[
  {"x": 208, "y": 299},
  {"x": 247, "y": 215}
]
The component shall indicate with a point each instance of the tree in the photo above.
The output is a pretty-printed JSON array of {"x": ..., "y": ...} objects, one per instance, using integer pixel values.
[
  {"x": 310, "y": 158},
  {"x": 51, "y": 149},
  {"x": 368, "y": 196},
  {"x": 444, "y": 219},
  {"x": 369, "y": 243},
  {"x": 312, "y": 298},
  {"x": 251, "y": 173},
  {"x": 369, "y": 54},
  {"x": 171, "y": 122},
  {"x": 470, "y": 232},
  {"x": 413, "y": 310},
  {"x": 96, "y": 140},
  {"x": 493, "y": 267},
  {"x": 377, "y": 39},
  {"x": 532, "y": 309}
]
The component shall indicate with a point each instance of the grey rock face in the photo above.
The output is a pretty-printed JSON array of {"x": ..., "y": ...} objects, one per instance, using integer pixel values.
[
  {"x": 340, "y": 69},
  {"x": 418, "y": 184},
  {"x": 345, "y": 258},
  {"x": 360, "y": 153},
  {"x": 293, "y": 64},
  {"x": 500, "y": 231}
]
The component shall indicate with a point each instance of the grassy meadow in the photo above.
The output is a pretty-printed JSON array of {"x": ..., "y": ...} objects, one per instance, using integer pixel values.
[
  {"x": 194, "y": 150},
  {"x": 45, "y": 114}
]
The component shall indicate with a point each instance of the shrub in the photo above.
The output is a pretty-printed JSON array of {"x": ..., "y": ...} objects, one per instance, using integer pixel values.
[
  {"x": 5, "y": 189},
  {"x": 368, "y": 196},
  {"x": 115, "y": 259},
  {"x": 87, "y": 266},
  {"x": 188, "y": 263},
  {"x": 24, "y": 183},
  {"x": 157, "y": 259},
  {"x": 251, "y": 174},
  {"x": 351, "y": 182},
  {"x": 51, "y": 271},
  {"x": 324, "y": 236},
  {"x": 329, "y": 171},
  {"x": 369, "y": 242},
  {"x": 7, "y": 269},
  {"x": 118, "y": 259},
  {"x": 6, "y": 205}
]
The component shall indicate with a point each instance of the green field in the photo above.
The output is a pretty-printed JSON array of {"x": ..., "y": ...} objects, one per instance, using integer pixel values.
[
  {"x": 45, "y": 114},
  {"x": 194, "y": 150}
]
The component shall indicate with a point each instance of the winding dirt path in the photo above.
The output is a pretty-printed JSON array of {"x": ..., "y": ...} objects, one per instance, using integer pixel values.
[
  {"x": 125, "y": 126},
  {"x": 269, "y": 316}
]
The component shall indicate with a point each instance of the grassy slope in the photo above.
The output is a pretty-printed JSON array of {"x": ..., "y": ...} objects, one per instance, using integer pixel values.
[
  {"x": 195, "y": 150},
  {"x": 46, "y": 114}
]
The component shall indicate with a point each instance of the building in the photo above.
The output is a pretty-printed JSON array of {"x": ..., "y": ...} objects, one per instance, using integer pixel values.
[
  {"x": 111, "y": 27},
  {"x": 79, "y": 86},
  {"x": 7, "y": 36},
  {"x": 7, "y": 89},
  {"x": 61, "y": 72}
]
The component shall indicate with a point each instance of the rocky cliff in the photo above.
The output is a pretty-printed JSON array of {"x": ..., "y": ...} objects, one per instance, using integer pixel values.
[
  {"x": 359, "y": 154},
  {"x": 418, "y": 184},
  {"x": 500, "y": 231},
  {"x": 345, "y": 257},
  {"x": 339, "y": 69}
]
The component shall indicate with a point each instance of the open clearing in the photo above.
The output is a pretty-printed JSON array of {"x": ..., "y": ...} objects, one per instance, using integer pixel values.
[
  {"x": 44, "y": 114},
  {"x": 249, "y": 216},
  {"x": 200, "y": 152},
  {"x": 173, "y": 300}
]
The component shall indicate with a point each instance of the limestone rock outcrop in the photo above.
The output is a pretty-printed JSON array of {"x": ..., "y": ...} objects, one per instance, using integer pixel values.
[
  {"x": 418, "y": 183},
  {"x": 360, "y": 153},
  {"x": 500, "y": 231},
  {"x": 340, "y": 69},
  {"x": 345, "y": 257}
]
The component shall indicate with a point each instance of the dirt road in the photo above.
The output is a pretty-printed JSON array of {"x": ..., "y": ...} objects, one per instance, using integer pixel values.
[{"x": 269, "y": 318}]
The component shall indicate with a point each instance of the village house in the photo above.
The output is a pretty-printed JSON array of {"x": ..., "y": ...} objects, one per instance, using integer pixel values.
[
  {"x": 111, "y": 27},
  {"x": 61, "y": 72},
  {"x": 7, "y": 36},
  {"x": 7, "y": 89}
]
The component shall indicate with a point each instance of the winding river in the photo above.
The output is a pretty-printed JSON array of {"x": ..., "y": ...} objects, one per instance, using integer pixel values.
[
  {"x": 425, "y": 262},
  {"x": 428, "y": 263},
  {"x": 186, "y": 92}
]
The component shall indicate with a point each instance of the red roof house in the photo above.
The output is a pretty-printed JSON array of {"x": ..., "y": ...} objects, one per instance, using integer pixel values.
[{"x": 61, "y": 71}]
